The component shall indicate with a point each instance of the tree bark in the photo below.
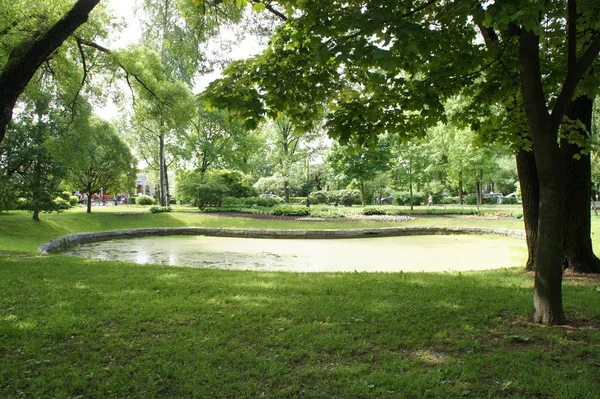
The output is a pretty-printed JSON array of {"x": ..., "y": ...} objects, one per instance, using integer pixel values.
[
  {"x": 161, "y": 156},
  {"x": 530, "y": 198},
  {"x": 579, "y": 253},
  {"x": 89, "y": 198},
  {"x": 547, "y": 294},
  {"x": 25, "y": 59},
  {"x": 460, "y": 189}
]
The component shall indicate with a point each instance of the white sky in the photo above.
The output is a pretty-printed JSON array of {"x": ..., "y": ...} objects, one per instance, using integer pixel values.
[{"x": 124, "y": 9}]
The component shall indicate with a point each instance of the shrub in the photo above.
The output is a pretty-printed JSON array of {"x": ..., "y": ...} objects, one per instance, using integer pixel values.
[
  {"x": 449, "y": 200},
  {"x": 489, "y": 200},
  {"x": 403, "y": 198},
  {"x": 145, "y": 200},
  {"x": 73, "y": 200},
  {"x": 371, "y": 210},
  {"x": 160, "y": 209},
  {"x": 471, "y": 199},
  {"x": 338, "y": 197},
  {"x": 211, "y": 188},
  {"x": 65, "y": 195},
  {"x": 291, "y": 210},
  {"x": 250, "y": 202},
  {"x": 61, "y": 203},
  {"x": 131, "y": 200},
  {"x": 298, "y": 200},
  {"x": 318, "y": 197},
  {"x": 510, "y": 201}
]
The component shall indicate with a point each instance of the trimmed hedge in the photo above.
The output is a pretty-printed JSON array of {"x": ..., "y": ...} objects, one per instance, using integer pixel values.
[
  {"x": 145, "y": 200},
  {"x": 249, "y": 202},
  {"x": 160, "y": 209},
  {"x": 290, "y": 210},
  {"x": 371, "y": 210}
]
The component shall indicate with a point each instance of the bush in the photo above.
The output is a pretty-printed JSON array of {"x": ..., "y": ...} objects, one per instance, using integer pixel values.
[
  {"x": 371, "y": 210},
  {"x": 73, "y": 200},
  {"x": 338, "y": 197},
  {"x": 61, "y": 203},
  {"x": 65, "y": 195},
  {"x": 291, "y": 210},
  {"x": 403, "y": 198},
  {"x": 160, "y": 209},
  {"x": 510, "y": 201},
  {"x": 250, "y": 202},
  {"x": 471, "y": 199},
  {"x": 211, "y": 188},
  {"x": 449, "y": 200},
  {"x": 145, "y": 200},
  {"x": 131, "y": 200},
  {"x": 489, "y": 200},
  {"x": 298, "y": 200}
]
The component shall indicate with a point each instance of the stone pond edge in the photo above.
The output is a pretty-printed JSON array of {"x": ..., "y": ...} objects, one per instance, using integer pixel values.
[{"x": 64, "y": 242}]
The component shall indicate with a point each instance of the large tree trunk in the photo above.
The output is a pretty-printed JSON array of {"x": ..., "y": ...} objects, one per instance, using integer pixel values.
[
  {"x": 25, "y": 59},
  {"x": 579, "y": 255},
  {"x": 547, "y": 294},
  {"x": 530, "y": 197},
  {"x": 89, "y": 198}
]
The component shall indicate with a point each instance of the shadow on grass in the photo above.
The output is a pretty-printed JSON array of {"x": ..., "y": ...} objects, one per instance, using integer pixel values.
[{"x": 74, "y": 327}]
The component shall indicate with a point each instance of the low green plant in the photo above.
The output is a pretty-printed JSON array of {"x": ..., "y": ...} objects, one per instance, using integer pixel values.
[
  {"x": 61, "y": 204},
  {"x": 145, "y": 200},
  {"x": 249, "y": 202},
  {"x": 403, "y": 198},
  {"x": 160, "y": 209},
  {"x": 337, "y": 197},
  {"x": 290, "y": 210},
  {"x": 73, "y": 200},
  {"x": 374, "y": 210},
  {"x": 132, "y": 200}
]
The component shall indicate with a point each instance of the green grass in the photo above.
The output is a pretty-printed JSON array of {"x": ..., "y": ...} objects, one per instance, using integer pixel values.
[
  {"x": 71, "y": 327},
  {"x": 19, "y": 233}
]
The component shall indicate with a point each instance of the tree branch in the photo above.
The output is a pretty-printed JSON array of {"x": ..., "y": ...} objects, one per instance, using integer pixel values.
[
  {"x": 574, "y": 75},
  {"x": 273, "y": 11},
  {"x": 127, "y": 72}
]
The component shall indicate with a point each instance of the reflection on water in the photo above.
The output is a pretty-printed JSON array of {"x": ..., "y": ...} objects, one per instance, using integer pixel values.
[{"x": 388, "y": 254}]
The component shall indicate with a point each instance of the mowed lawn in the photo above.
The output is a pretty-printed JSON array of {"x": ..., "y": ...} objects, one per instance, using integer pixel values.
[{"x": 71, "y": 327}]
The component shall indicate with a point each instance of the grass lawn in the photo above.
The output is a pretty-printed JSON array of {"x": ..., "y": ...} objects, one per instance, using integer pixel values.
[{"x": 71, "y": 327}]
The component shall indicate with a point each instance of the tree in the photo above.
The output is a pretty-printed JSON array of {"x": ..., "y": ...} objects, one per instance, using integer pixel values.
[
  {"x": 360, "y": 164},
  {"x": 26, "y": 57},
  {"x": 96, "y": 158},
  {"x": 402, "y": 60},
  {"x": 161, "y": 108},
  {"x": 28, "y": 169},
  {"x": 210, "y": 138}
]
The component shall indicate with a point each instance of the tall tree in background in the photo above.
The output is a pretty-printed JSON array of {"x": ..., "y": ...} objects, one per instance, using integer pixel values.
[
  {"x": 360, "y": 165},
  {"x": 96, "y": 158},
  {"x": 28, "y": 168},
  {"x": 161, "y": 108}
]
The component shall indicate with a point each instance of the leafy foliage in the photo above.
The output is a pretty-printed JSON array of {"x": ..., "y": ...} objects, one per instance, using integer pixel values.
[
  {"x": 290, "y": 210},
  {"x": 144, "y": 200}
]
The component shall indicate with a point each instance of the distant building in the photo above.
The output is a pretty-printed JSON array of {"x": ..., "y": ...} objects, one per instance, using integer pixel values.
[{"x": 142, "y": 186}]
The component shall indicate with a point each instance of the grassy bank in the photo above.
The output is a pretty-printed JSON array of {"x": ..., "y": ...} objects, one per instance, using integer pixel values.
[
  {"x": 19, "y": 233},
  {"x": 78, "y": 328},
  {"x": 72, "y": 327}
]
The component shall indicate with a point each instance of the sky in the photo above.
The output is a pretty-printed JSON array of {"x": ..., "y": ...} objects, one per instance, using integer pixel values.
[{"x": 125, "y": 10}]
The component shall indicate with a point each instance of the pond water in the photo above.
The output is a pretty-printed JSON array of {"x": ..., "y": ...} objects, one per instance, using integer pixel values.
[{"x": 385, "y": 254}]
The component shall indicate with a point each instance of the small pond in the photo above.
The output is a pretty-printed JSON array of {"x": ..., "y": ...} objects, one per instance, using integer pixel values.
[{"x": 385, "y": 254}]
